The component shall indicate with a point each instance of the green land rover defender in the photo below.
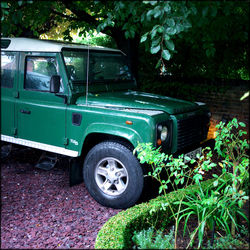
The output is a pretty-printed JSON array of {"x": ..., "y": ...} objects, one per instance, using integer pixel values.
[{"x": 80, "y": 101}]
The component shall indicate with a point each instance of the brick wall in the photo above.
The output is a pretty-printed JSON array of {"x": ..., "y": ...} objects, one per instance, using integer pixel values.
[
  {"x": 222, "y": 96},
  {"x": 227, "y": 105}
]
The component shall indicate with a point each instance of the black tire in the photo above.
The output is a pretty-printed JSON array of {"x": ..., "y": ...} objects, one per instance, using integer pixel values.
[{"x": 113, "y": 175}]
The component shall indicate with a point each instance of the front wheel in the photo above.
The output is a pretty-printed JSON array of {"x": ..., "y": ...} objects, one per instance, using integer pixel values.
[{"x": 113, "y": 175}]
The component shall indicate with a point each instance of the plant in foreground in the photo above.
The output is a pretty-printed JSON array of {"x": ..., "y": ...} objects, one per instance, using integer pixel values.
[
  {"x": 217, "y": 206},
  {"x": 213, "y": 208},
  {"x": 220, "y": 208},
  {"x": 230, "y": 145},
  {"x": 229, "y": 242},
  {"x": 176, "y": 170},
  {"x": 149, "y": 239}
]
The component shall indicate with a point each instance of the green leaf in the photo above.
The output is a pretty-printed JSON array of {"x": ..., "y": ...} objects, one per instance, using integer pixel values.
[
  {"x": 244, "y": 96},
  {"x": 166, "y": 37},
  {"x": 126, "y": 34},
  {"x": 156, "y": 42},
  {"x": 144, "y": 37},
  {"x": 157, "y": 12},
  {"x": 167, "y": 7},
  {"x": 163, "y": 69},
  {"x": 170, "y": 22},
  {"x": 166, "y": 55},
  {"x": 187, "y": 25},
  {"x": 149, "y": 13},
  {"x": 213, "y": 11},
  {"x": 160, "y": 29},
  {"x": 242, "y": 124},
  {"x": 210, "y": 52},
  {"x": 192, "y": 161},
  {"x": 158, "y": 64},
  {"x": 179, "y": 28},
  {"x": 4, "y": 5},
  {"x": 240, "y": 203},
  {"x": 171, "y": 30},
  {"x": 197, "y": 178},
  {"x": 169, "y": 44},
  {"x": 205, "y": 11},
  {"x": 154, "y": 50},
  {"x": 182, "y": 180}
]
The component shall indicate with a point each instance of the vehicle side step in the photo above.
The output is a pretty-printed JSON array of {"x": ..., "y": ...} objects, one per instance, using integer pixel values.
[{"x": 47, "y": 162}]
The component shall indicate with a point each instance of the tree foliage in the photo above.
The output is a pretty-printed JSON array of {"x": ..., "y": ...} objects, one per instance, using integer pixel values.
[{"x": 206, "y": 38}]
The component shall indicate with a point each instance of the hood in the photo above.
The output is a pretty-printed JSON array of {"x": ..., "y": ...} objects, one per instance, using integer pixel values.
[{"x": 138, "y": 100}]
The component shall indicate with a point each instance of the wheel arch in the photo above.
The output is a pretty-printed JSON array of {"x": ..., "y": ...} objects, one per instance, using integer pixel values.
[
  {"x": 93, "y": 139},
  {"x": 99, "y": 132}
]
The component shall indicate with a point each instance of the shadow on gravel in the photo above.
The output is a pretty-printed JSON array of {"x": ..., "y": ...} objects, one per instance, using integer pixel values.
[
  {"x": 23, "y": 155},
  {"x": 40, "y": 210}
]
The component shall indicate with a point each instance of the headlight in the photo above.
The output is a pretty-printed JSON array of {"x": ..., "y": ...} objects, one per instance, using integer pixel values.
[
  {"x": 160, "y": 128},
  {"x": 164, "y": 133}
]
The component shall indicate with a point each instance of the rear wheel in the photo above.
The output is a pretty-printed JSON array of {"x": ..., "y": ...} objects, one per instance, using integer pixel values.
[{"x": 113, "y": 175}]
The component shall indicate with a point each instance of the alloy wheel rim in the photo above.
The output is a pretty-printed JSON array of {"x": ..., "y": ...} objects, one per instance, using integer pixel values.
[{"x": 111, "y": 176}]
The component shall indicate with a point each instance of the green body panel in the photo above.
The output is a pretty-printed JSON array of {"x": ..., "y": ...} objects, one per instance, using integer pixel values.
[
  {"x": 47, "y": 118},
  {"x": 139, "y": 100},
  {"x": 45, "y": 122},
  {"x": 108, "y": 121},
  {"x": 7, "y": 112},
  {"x": 8, "y": 99}
]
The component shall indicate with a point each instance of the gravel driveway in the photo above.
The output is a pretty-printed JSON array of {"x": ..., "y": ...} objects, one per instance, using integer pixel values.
[{"x": 40, "y": 210}]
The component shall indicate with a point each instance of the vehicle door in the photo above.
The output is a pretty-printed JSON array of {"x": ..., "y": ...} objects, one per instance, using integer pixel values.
[
  {"x": 8, "y": 93},
  {"x": 40, "y": 114}
]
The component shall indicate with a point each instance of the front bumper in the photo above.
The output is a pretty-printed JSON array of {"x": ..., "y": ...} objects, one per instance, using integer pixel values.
[{"x": 206, "y": 143}]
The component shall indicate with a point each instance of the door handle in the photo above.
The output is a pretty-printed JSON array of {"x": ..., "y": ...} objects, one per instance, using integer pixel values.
[{"x": 25, "y": 111}]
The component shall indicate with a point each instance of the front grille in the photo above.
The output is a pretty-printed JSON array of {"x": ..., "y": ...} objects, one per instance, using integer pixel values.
[{"x": 191, "y": 130}]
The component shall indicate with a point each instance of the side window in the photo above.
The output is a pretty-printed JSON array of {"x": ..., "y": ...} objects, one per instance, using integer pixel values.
[
  {"x": 38, "y": 71},
  {"x": 8, "y": 69}
]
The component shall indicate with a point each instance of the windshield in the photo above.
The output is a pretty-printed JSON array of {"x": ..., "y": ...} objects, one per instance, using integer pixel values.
[{"x": 104, "y": 67}]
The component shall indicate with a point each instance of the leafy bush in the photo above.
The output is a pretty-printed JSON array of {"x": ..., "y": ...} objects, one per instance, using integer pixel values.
[
  {"x": 117, "y": 232},
  {"x": 177, "y": 172},
  {"x": 229, "y": 242},
  {"x": 148, "y": 239},
  {"x": 231, "y": 146},
  {"x": 212, "y": 208}
]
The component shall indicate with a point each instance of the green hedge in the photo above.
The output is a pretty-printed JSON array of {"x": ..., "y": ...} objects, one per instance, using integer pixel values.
[{"x": 118, "y": 230}]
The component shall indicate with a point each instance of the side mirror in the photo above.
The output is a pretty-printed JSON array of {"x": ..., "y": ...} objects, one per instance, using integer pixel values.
[{"x": 55, "y": 84}]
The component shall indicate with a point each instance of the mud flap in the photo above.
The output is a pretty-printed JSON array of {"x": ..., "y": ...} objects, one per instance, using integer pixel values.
[{"x": 75, "y": 172}]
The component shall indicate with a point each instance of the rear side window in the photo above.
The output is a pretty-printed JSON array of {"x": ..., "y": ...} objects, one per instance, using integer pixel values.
[
  {"x": 38, "y": 71},
  {"x": 8, "y": 69}
]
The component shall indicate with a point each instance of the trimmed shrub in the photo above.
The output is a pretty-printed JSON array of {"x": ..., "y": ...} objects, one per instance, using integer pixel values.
[{"x": 117, "y": 232}]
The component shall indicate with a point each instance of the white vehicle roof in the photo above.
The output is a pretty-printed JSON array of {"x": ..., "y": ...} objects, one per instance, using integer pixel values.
[{"x": 39, "y": 45}]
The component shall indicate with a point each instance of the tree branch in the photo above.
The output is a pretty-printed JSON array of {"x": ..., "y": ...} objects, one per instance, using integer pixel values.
[
  {"x": 80, "y": 14},
  {"x": 65, "y": 16}
]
